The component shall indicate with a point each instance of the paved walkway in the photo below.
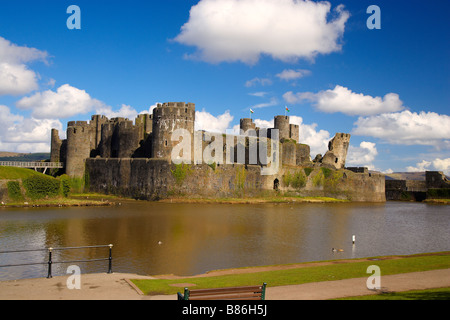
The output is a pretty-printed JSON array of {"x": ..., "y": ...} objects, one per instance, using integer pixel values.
[{"x": 117, "y": 286}]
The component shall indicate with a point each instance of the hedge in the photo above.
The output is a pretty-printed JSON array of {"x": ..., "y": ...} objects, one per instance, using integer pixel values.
[
  {"x": 14, "y": 192},
  {"x": 38, "y": 187},
  {"x": 65, "y": 185}
]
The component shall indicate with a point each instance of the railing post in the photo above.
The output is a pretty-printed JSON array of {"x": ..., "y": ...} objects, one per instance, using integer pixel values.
[
  {"x": 110, "y": 259},
  {"x": 49, "y": 263}
]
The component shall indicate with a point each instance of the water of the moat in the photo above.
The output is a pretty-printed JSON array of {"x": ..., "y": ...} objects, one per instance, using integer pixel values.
[{"x": 186, "y": 239}]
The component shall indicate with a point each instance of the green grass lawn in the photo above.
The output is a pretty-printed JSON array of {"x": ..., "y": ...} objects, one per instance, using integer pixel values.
[
  {"x": 13, "y": 173},
  {"x": 335, "y": 270}
]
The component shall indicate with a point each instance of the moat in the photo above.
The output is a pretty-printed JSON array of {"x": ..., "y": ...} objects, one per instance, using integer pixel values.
[{"x": 186, "y": 239}]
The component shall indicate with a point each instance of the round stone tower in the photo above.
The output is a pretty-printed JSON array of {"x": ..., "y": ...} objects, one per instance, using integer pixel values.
[
  {"x": 168, "y": 117},
  {"x": 247, "y": 124},
  {"x": 79, "y": 135},
  {"x": 282, "y": 124}
]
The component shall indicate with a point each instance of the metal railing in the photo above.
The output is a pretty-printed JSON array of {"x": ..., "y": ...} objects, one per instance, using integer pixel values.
[
  {"x": 34, "y": 164},
  {"x": 50, "y": 261}
]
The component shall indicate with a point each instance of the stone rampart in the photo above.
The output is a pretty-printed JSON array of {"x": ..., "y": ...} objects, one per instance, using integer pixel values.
[{"x": 154, "y": 179}]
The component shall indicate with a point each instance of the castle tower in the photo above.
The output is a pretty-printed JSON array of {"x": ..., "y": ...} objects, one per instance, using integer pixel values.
[
  {"x": 126, "y": 138},
  {"x": 79, "y": 136},
  {"x": 96, "y": 122},
  {"x": 247, "y": 124},
  {"x": 55, "y": 149},
  {"x": 337, "y": 151},
  {"x": 294, "y": 132},
  {"x": 282, "y": 124},
  {"x": 146, "y": 120},
  {"x": 168, "y": 117}
]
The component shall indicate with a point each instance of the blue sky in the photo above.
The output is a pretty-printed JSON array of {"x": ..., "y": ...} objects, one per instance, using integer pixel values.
[{"x": 388, "y": 87}]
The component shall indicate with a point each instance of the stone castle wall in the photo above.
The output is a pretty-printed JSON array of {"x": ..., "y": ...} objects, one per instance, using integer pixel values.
[{"x": 153, "y": 179}]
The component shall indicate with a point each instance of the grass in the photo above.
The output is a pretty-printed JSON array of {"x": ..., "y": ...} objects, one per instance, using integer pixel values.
[
  {"x": 13, "y": 173},
  {"x": 303, "y": 273},
  {"x": 428, "y": 294},
  {"x": 253, "y": 200},
  {"x": 58, "y": 202},
  {"x": 437, "y": 201}
]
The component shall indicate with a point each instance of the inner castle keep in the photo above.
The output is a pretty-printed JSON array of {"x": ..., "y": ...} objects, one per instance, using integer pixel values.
[{"x": 134, "y": 159}]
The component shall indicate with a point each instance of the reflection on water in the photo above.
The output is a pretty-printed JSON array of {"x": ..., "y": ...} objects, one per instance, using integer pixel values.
[{"x": 186, "y": 239}]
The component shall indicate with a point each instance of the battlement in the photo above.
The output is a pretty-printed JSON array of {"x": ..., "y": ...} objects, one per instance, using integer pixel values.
[
  {"x": 177, "y": 105},
  {"x": 78, "y": 124},
  {"x": 99, "y": 117},
  {"x": 175, "y": 110}
]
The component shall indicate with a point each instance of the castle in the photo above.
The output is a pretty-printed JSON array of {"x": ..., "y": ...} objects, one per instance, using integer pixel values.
[{"x": 136, "y": 159}]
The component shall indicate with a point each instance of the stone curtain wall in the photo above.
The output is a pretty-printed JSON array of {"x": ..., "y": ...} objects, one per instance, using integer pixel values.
[{"x": 153, "y": 179}]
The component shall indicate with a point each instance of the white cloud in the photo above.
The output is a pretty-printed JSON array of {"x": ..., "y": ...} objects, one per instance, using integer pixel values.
[
  {"x": 67, "y": 101},
  {"x": 264, "y": 124},
  {"x": 436, "y": 164},
  {"x": 316, "y": 139},
  {"x": 243, "y": 30},
  {"x": 206, "y": 121},
  {"x": 150, "y": 110},
  {"x": 15, "y": 77},
  {"x": 271, "y": 103},
  {"x": 14, "y": 54},
  {"x": 342, "y": 99},
  {"x": 409, "y": 128},
  {"x": 260, "y": 94},
  {"x": 421, "y": 166},
  {"x": 442, "y": 165},
  {"x": 21, "y": 134},
  {"x": 258, "y": 81},
  {"x": 362, "y": 156},
  {"x": 125, "y": 111},
  {"x": 290, "y": 74}
]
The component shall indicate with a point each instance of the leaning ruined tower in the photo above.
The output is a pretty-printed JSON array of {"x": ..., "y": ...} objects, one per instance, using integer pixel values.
[{"x": 167, "y": 118}]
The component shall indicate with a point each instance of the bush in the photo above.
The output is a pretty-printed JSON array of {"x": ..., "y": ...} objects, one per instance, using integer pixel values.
[
  {"x": 14, "y": 192},
  {"x": 438, "y": 193},
  {"x": 298, "y": 180},
  {"x": 181, "y": 172},
  {"x": 38, "y": 187},
  {"x": 308, "y": 171},
  {"x": 65, "y": 185},
  {"x": 326, "y": 172}
]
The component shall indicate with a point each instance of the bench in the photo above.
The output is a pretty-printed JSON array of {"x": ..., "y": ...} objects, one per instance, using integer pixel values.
[{"x": 230, "y": 293}]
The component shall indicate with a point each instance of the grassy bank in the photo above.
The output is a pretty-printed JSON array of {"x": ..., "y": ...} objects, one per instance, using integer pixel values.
[
  {"x": 437, "y": 201},
  {"x": 57, "y": 202},
  {"x": 253, "y": 200},
  {"x": 13, "y": 173},
  {"x": 299, "y": 273},
  {"x": 21, "y": 187}
]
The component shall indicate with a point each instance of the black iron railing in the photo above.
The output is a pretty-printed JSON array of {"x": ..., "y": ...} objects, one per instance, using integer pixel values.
[{"x": 50, "y": 261}]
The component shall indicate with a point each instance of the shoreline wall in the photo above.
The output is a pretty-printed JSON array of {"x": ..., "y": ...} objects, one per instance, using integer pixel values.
[{"x": 156, "y": 178}]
